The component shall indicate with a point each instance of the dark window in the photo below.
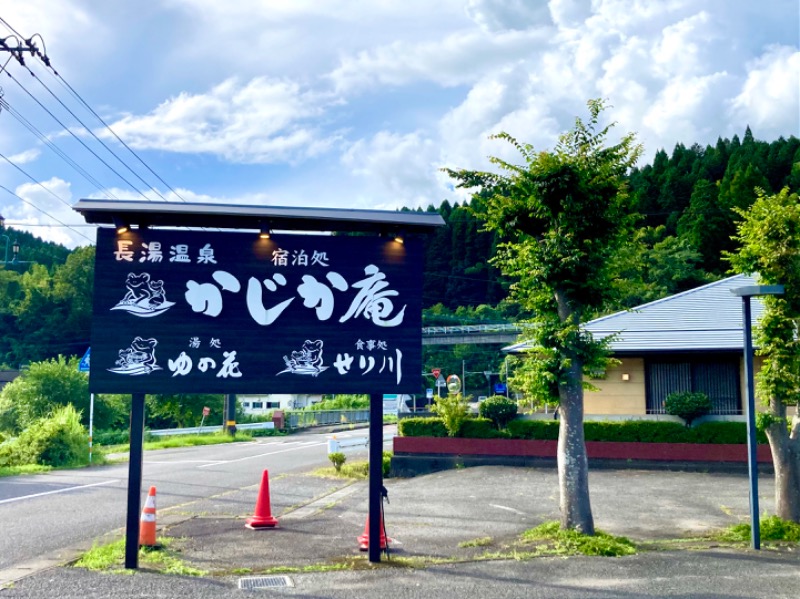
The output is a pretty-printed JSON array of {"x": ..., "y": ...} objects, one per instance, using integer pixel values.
[
  {"x": 258, "y": 405},
  {"x": 718, "y": 378},
  {"x": 273, "y": 404}
]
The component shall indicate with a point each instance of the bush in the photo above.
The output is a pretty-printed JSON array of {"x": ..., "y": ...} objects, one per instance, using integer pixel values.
[
  {"x": 421, "y": 427},
  {"x": 636, "y": 431},
  {"x": 56, "y": 440},
  {"x": 500, "y": 410},
  {"x": 546, "y": 430},
  {"x": 453, "y": 410},
  {"x": 111, "y": 437},
  {"x": 480, "y": 428},
  {"x": 337, "y": 458},
  {"x": 688, "y": 406}
]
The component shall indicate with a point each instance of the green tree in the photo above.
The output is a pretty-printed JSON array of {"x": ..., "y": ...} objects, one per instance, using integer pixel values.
[
  {"x": 769, "y": 234},
  {"x": 51, "y": 384},
  {"x": 563, "y": 215}
]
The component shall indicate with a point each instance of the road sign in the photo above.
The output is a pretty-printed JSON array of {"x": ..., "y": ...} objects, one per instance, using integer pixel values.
[
  {"x": 440, "y": 382},
  {"x": 436, "y": 372},
  {"x": 500, "y": 388},
  {"x": 429, "y": 393},
  {"x": 83, "y": 365},
  {"x": 206, "y": 411}
]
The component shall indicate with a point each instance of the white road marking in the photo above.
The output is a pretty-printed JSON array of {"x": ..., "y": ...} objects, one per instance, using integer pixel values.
[
  {"x": 209, "y": 462},
  {"x": 107, "y": 482},
  {"x": 509, "y": 509},
  {"x": 261, "y": 455}
]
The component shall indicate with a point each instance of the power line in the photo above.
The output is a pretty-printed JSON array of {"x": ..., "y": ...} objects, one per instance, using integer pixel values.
[
  {"x": 32, "y": 205},
  {"x": 78, "y": 139},
  {"x": 50, "y": 191},
  {"x": 42, "y": 56},
  {"x": 58, "y": 151},
  {"x": 93, "y": 134}
]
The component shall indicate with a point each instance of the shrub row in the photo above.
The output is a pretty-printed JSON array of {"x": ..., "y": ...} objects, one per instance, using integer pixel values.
[
  {"x": 55, "y": 440},
  {"x": 630, "y": 431}
]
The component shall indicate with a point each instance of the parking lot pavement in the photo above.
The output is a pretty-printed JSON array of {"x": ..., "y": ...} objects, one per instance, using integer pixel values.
[{"x": 456, "y": 516}]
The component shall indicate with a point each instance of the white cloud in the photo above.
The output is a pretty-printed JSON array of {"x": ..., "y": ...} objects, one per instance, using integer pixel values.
[
  {"x": 401, "y": 169},
  {"x": 456, "y": 59},
  {"x": 44, "y": 211},
  {"x": 770, "y": 97},
  {"x": 26, "y": 156},
  {"x": 265, "y": 120},
  {"x": 501, "y": 15}
]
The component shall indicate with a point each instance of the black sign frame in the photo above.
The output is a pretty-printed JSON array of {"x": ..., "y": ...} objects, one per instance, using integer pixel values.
[{"x": 180, "y": 311}]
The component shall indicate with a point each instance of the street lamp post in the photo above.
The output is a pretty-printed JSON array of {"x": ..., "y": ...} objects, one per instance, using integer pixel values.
[{"x": 752, "y": 466}]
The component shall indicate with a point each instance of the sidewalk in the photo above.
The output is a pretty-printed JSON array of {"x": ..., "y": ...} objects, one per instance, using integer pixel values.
[{"x": 451, "y": 516}]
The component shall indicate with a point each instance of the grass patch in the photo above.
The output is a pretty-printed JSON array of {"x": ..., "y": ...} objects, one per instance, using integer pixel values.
[
  {"x": 353, "y": 471},
  {"x": 550, "y": 536},
  {"x": 28, "y": 469},
  {"x": 772, "y": 529},
  {"x": 111, "y": 558},
  {"x": 183, "y": 441},
  {"x": 481, "y": 542}
]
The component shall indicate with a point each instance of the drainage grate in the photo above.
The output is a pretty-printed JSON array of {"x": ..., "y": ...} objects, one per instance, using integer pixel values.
[{"x": 254, "y": 583}]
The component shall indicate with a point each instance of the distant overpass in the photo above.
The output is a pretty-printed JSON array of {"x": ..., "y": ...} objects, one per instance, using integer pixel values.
[{"x": 469, "y": 334}]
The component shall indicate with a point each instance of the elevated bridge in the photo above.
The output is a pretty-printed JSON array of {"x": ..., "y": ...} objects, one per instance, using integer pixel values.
[{"x": 471, "y": 334}]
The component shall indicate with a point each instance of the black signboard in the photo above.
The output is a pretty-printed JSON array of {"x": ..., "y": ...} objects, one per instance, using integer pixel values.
[{"x": 216, "y": 312}]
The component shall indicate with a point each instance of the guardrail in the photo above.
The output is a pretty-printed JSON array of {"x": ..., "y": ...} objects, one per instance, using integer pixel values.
[
  {"x": 300, "y": 419},
  {"x": 325, "y": 417},
  {"x": 472, "y": 328}
]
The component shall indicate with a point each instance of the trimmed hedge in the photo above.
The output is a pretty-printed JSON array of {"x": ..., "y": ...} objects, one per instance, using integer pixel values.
[
  {"x": 480, "y": 428},
  {"x": 626, "y": 431},
  {"x": 421, "y": 427}
]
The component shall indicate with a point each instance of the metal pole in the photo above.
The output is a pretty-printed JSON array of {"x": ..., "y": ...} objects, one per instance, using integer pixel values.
[
  {"x": 230, "y": 414},
  {"x": 464, "y": 375},
  {"x": 91, "y": 423},
  {"x": 752, "y": 464},
  {"x": 506, "y": 363},
  {"x": 375, "y": 475},
  {"x": 134, "y": 482}
]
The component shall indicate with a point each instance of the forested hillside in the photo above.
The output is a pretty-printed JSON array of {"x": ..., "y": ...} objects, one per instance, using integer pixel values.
[{"x": 685, "y": 200}]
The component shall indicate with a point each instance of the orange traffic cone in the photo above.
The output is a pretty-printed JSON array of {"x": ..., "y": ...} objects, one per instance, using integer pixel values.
[
  {"x": 147, "y": 523},
  {"x": 363, "y": 540},
  {"x": 262, "y": 518}
]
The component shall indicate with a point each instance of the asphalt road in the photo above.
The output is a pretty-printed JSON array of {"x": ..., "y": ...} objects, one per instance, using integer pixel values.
[{"x": 44, "y": 514}]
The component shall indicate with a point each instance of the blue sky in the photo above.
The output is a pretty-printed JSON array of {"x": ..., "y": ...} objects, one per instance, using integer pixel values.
[{"x": 359, "y": 104}]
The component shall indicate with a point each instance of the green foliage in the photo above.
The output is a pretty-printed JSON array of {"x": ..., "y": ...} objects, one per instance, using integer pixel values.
[
  {"x": 421, "y": 427},
  {"x": 40, "y": 389},
  {"x": 772, "y": 528},
  {"x": 731, "y": 433},
  {"x": 480, "y": 428},
  {"x": 183, "y": 410},
  {"x": 563, "y": 216},
  {"x": 688, "y": 405},
  {"x": 625, "y": 431},
  {"x": 770, "y": 237},
  {"x": 337, "y": 458},
  {"x": 453, "y": 410},
  {"x": 55, "y": 440},
  {"x": 542, "y": 430},
  {"x": 636, "y": 431},
  {"x": 342, "y": 402},
  {"x": 573, "y": 542},
  {"x": 499, "y": 409}
]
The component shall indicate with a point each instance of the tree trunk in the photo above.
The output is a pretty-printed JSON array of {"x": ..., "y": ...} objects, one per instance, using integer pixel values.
[
  {"x": 573, "y": 465},
  {"x": 785, "y": 446}
]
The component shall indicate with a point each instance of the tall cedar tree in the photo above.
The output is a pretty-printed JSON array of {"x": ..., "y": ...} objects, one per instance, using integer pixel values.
[
  {"x": 769, "y": 234},
  {"x": 564, "y": 214}
]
